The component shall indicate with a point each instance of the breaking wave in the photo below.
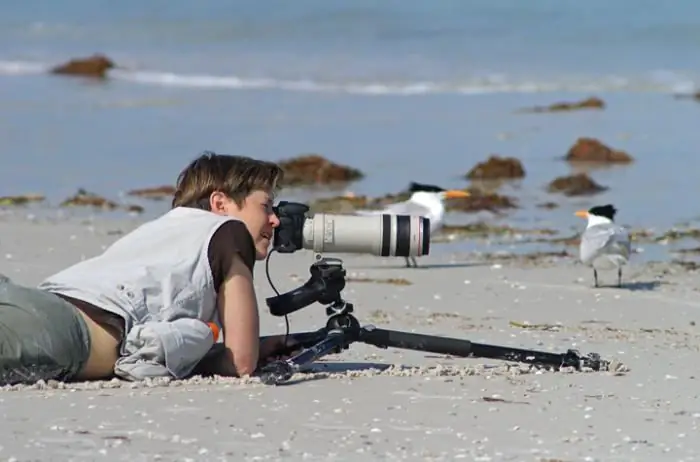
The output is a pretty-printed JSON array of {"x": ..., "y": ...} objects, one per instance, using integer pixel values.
[{"x": 659, "y": 82}]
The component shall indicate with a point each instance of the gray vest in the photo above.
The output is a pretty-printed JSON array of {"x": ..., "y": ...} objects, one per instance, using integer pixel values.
[{"x": 158, "y": 279}]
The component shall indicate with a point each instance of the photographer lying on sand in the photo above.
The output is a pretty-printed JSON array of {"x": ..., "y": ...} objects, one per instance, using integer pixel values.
[{"x": 142, "y": 308}]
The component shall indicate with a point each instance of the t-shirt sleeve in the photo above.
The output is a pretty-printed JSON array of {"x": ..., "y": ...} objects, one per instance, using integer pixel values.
[{"x": 229, "y": 239}]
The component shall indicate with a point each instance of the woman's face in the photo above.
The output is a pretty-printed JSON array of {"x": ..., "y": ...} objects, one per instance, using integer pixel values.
[{"x": 256, "y": 212}]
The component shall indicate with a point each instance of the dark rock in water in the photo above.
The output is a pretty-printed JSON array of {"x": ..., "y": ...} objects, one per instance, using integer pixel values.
[
  {"x": 575, "y": 185},
  {"x": 313, "y": 169},
  {"x": 95, "y": 66},
  {"x": 588, "y": 103},
  {"x": 496, "y": 167},
  {"x": 592, "y": 150}
]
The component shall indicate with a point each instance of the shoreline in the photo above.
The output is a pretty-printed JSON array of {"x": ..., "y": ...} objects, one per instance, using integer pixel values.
[{"x": 481, "y": 234}]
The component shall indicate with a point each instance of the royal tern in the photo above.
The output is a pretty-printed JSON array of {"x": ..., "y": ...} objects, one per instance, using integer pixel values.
[
  {"x": 604, "y": 245},
  {"x": 426, "y": 201}
]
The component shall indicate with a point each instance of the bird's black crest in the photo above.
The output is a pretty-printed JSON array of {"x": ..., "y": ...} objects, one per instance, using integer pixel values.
[
  {"x": 414, "y": 187},
  {"x": 607, "y": 211}
]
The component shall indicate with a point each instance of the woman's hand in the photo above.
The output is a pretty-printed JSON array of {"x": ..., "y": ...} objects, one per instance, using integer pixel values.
[{"x": 277, "y": 347}]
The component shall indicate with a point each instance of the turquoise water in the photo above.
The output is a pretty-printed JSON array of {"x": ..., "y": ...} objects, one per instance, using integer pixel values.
[{"x": 402, "y": 90}]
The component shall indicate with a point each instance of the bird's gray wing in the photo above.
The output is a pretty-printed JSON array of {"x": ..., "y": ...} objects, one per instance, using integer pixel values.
[
  {"x": 621, "y": 241},
  {"x": 399, "y": 208},
  {"x": 606, "y": 238}
]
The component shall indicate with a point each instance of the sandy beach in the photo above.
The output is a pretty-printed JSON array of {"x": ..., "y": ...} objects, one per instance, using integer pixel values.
[
  {"x": 401, "y": 92},
  {"x": 392, "y": 404}
]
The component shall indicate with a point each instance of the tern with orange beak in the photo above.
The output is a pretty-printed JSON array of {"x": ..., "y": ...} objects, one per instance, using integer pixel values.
[
  {"x": 426, "y": 201},
  {"x": 604, "y": 244}
]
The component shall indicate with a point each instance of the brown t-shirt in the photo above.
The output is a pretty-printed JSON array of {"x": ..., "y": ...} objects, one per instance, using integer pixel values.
[{"x": 230, "y": 239}]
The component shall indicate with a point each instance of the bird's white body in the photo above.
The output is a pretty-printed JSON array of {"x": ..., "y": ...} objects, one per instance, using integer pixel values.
[
  {"x": 604, "y": 245},
  {"x": 421, "y": 203}
]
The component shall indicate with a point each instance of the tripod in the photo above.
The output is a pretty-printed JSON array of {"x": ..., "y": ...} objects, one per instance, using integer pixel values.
[{"x": 342, "y": 329}]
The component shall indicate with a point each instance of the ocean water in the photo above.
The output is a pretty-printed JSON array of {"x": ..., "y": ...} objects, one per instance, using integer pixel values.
[{"x": 402, "y": 90}]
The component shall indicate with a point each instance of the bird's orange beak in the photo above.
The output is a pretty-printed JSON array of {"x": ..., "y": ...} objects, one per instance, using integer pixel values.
[
  {"x": 582, "y": 213},
  {"x": 456, "y": 194}
]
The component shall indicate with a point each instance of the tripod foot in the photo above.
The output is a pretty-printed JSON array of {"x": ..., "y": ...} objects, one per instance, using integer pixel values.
[
  {"x": 276, "y": 373},
  {"x": 572, "y": 358}
]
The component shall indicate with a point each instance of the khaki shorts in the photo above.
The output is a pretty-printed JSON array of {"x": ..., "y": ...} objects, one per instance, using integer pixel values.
[{"x": 42, "y": 336}]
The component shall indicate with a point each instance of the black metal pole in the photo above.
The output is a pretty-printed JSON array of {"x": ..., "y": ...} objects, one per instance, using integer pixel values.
[{"x": 384, "y": 338}]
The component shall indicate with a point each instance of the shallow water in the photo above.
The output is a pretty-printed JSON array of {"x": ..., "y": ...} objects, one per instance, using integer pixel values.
[{"x": 402, "y": 91}]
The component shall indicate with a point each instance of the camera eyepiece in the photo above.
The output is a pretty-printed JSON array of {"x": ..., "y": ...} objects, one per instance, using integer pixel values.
[
  {"x": 383, "y": 235},
  {"x": 288, "y": 236}
]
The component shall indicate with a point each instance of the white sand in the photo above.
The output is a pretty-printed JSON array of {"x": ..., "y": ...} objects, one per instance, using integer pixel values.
[{"x": 428, "y": 408}]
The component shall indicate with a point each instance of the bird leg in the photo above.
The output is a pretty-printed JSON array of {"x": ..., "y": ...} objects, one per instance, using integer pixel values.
[
  {"x": 595, "y": 277},
  {"x": 412, "y": 260},
  {"x": 619, "y": 277}
]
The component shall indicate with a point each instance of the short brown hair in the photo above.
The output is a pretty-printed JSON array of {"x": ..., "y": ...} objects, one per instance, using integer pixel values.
[{"x": 235, "y": 176}]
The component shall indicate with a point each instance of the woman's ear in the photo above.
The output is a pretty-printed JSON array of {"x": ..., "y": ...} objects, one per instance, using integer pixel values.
[{"x": 218, "y": 202}]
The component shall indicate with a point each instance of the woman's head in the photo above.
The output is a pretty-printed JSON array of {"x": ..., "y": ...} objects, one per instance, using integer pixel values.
[{"x": 236, "y": 186}]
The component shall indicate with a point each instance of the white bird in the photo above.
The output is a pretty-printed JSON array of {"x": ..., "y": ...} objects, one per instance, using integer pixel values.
[
  {"x": 426, "y": 201},
  {"x": 604, "y": 244}
]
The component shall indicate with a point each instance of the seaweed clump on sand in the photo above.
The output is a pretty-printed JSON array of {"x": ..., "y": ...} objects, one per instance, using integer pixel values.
[
  {"x": 84, "y": 198},
  {"x": 155, "y": 193},
  {"x": 678, "y": 234},
  {"x": 315, "y": 170},
  {"x": 480, "y": 200},
  {"x": 19, "y": 200},
  {"x": 477, "y": 201},
  {"x": 481, "y": 229}
]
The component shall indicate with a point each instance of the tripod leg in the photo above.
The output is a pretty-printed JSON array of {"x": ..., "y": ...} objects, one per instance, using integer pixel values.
[
  {"x": 281, "y": 371},
  {"x": 384, "y": 338}
]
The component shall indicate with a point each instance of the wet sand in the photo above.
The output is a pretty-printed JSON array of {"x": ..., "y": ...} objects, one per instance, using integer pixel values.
[{"x": 392, "y": 404}]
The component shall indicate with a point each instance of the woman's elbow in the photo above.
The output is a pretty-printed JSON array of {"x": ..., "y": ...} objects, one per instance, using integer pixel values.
[{"x": 245, "y": 366}]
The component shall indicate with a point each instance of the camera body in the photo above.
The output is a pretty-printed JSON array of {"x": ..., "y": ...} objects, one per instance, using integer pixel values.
[{"x": 289, "y": 235}]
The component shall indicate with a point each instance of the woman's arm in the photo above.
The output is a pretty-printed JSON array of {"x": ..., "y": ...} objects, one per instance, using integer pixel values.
[{"x": 238, "y": 312}]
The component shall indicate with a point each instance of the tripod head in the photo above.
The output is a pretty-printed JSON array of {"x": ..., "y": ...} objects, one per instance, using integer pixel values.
[{"x": 324, "y": 285}]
